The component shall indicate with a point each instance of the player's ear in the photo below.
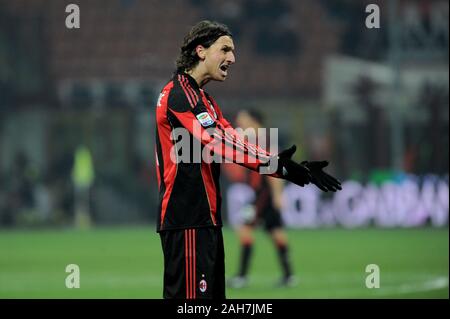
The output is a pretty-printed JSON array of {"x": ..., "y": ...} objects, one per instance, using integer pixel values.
[{"x": 201, "y": 52}]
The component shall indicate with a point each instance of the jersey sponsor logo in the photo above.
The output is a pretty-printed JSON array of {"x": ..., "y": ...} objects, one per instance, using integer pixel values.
[
  {"x": 205, "y": 119},
  {"x": 202, "y": 285}
]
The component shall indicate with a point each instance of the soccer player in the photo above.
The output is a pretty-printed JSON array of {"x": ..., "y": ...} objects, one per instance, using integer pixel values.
[
  {"x": 189, "y": 213},
  {"x": 266, "y": 208}
]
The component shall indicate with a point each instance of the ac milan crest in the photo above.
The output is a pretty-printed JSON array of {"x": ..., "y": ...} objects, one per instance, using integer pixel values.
[{"x": 202, "y": 285}]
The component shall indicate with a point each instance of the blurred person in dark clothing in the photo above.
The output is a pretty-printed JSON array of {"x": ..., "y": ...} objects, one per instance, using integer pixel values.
[
  {"x": 266, "y": 208},
  {"x": 19, "y": 190}
]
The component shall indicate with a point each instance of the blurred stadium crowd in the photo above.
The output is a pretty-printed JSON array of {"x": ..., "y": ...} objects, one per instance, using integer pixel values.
[{"x": 372, "y": 101}]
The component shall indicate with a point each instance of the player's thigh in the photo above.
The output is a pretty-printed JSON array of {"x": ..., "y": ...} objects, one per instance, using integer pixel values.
[
  {"x": 210, "y": 267},
  {"x": 173, "y": 243}
]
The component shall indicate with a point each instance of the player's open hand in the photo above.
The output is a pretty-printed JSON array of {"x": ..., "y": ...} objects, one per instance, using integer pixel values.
[{"x": 321, "y": 179}]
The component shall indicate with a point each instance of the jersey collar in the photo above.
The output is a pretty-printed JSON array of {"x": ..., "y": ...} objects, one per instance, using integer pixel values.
[{"x": 190, "y": 79}]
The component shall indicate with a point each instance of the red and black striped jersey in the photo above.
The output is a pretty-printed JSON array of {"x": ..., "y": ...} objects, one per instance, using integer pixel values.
[{"x": 189, "y": 191}]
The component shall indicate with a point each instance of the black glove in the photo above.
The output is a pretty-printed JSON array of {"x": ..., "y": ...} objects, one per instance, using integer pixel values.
[
  {"x": 292, "y": 171},
  {"x": 321, "y": 179}
]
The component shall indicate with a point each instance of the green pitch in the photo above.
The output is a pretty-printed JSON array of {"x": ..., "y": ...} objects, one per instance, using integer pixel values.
[{"x": 127, "y": 263}]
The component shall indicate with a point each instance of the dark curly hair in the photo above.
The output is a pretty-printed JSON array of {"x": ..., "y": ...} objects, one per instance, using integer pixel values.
[{"x": 204, "y": 33}]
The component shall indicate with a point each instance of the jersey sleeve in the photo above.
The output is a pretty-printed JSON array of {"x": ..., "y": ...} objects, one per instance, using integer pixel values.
[
  {"x": 216, "y": 134},
  {"x": 230, "y": 130}
]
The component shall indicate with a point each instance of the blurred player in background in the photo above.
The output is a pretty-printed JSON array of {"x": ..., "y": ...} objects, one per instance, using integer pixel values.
[{"x": 266, "y": 208}]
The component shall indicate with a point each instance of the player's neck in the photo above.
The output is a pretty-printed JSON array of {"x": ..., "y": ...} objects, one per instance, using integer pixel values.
[{"x": 199, "y": 76}]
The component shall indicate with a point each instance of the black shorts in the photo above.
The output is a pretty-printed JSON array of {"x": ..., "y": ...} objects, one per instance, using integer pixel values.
[
  {"x": 272, "y": 219},
  {"x": 194, "y": 263},
  {"x": 268, "y": 215}
]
